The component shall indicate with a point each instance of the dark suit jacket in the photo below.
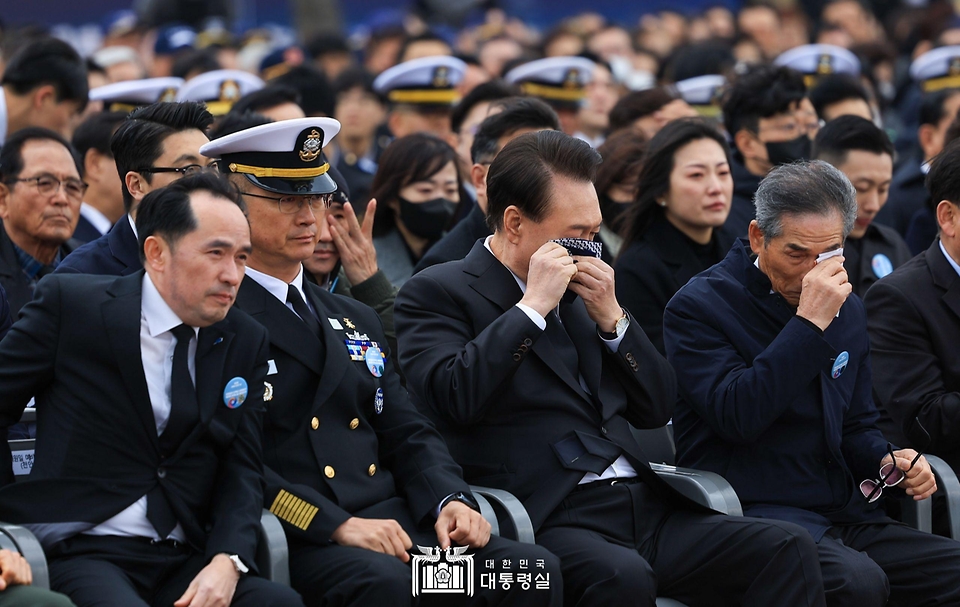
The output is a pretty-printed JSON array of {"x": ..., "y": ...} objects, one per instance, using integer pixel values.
[
  {"x": 859, "y": 262},
  {"x": 18, "y": 287},
  {"x": 512, "y": 414},
  {"x": 758, "y": 401},
  {"x": 650, "y": 270},
  {"x": 456, "y": 243},
  {"x": 372, "y": 456},
  {"x": 85, "y": 231},
  {"x": 742, "y": 211},
  {"x": 116, "y": 253},
  {"x": 77, "y": 348},
  {"x": 908, "y": 194},
  {"x": 6, "y": 319},
  {"x": 913, "y": 317}
]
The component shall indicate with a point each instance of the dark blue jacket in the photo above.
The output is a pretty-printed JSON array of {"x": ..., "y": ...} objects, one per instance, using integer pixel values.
[
  {"x": 116, "y": 253},
  {"x": 758, "y": 401},
  {"x": 6, "y": 320}
]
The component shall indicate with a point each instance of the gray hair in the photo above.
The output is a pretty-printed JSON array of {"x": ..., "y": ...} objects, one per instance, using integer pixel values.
[{"x": 804, "y": 188}]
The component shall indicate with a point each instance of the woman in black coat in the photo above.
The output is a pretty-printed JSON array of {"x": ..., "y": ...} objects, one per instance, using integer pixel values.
[{"x": 673, "y": 231}]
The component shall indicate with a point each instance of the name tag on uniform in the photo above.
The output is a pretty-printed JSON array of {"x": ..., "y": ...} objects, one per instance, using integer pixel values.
[
  {"x": 271, "y": 367},
  {"x": 357, "y": 348}
]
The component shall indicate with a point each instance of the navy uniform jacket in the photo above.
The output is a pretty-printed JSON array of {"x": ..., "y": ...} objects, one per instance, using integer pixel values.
[
  {"x": 5, "y": 319},
  {"x": 879, "y": 252},
  {"x": 742, "y": 211},
  {"x": 759, "y": 403},
  {"x": 330, "y": 451},
  {"x": 908, "y": 194},
  {"x": 116, "y": 253},
  {"x": 77, "y": 348}
]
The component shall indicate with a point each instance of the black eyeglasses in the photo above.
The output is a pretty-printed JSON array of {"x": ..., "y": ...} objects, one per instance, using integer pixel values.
[
  {"x": 292, "y": 204},
  {"x": 190, "y": 169},
  {"x": 48, "y": 185},
  {"x": 890, "y": 475}
]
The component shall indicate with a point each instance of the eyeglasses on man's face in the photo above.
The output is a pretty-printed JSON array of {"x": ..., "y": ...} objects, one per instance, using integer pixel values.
[
  {"x": 48, "y": 185},
  {"x": 292, "y": 204}
]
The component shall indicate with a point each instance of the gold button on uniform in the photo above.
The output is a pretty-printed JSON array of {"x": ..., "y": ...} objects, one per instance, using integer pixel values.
[
  {"x": 354, "y": 423},
  {"x": 372, "y": 469},
  {"x": 328, "y": 471},
  {"x": 314, "y": 423}
]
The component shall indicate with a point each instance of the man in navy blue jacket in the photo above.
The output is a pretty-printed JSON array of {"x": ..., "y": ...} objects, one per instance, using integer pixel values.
[{"x": 772, "y": 359}]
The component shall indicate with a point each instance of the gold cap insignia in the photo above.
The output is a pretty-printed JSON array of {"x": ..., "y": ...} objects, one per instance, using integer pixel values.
[
  {"x": 311, "y": 147},
  {"x": 572, "y": 79},
  {"x": 168, "y": 95},
  {"x": 267, "y": 391},
  {"x": 441, "y": 77},
  {"x": 825, "y": 64},
  {"x": 954, "y": 69},
  {"x": 229, "y": 91}
]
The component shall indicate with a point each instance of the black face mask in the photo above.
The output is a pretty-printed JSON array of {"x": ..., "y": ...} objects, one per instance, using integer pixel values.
[
  {"x": 427, "y": 219},
  {"x": 785, "y": 152},
  {"x": 613, "y": 211}
]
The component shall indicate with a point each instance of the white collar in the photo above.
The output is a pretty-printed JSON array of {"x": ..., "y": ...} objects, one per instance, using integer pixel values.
[
  {"x": 953, "y": 263},
  {"x": 3, "y": 116},
  {"x": 523, "y": 285},
  {"x": 925, "y": 167},
  {"x": 133, "y": 226},
  {"x": 160, "y": 317},
  {"x": 275, "y": 286},
  {"x": 96, "y": 218}
]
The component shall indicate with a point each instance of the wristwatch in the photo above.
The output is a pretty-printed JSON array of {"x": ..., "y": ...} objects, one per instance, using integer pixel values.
[
  {"x": 241, "y": 568},
  {"x": 619, "y": 329},
  {"x": 460, "y": 496}
]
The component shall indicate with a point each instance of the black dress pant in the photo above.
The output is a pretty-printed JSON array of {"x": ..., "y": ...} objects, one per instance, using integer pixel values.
[
  {"x": 888, "y": 563},
  {"x": 108, "y": 571},
  {"x": 331, "y": 575},
  {"x": 619, "y": 545}
]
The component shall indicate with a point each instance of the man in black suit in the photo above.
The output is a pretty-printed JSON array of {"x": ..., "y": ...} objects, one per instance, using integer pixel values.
[
  {"x": 40, "y": 195},
  {"x": 355, "y": 473},
  {"x": 508, "y": 119},
  {"x": 146, "y": 488},
  {"x": 913, "y": 317},
  {"x": 154, "y": 147},
  {"x": 540, "y": 402}
]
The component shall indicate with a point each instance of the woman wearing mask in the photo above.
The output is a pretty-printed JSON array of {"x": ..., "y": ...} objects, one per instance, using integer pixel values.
[
  {"x": 417, "y": 187},
  {"x": 673, "y": 231},
  {"x": 616, "y": 183}
]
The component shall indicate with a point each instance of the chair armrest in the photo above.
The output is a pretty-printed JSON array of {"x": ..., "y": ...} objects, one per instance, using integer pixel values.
[
  {"x": 273, "y": 558},
  {"x": 487, "y": 511},
  {"x": 918, "y": 515},
  {"x": 949, "y": 486},
  {"x": 511, "y": 508},
  {"x": 19, "y": 539},
  {"x": 706, "y": 488}
]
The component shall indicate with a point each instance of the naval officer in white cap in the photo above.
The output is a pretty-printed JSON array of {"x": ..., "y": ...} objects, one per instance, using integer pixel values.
[
  {"x": 219, "y": 89},
  {"x": 129, "y": 95},
  {"x": 421, "y": 94},
  {"x": 560, "y": 81}
]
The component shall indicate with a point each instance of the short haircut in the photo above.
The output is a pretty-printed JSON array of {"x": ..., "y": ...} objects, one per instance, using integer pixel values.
[
  {"x": 94, "y": 68},
  {"x": 138, "y": 141},
  {"x": 356, "y": 77},
  {"x": 623, "y": 153},
  {"x": 166, "y": 211},
  {"x": 426, "y": 36},
  {"x": 234, "y": 122},
  {"x": 11, "y": 154},
  {"x": 943, "y": 180},
  {"x": 269, "y": 96},
  {"x": 48, "y": 61},
  {"x": 522, "y": 173},
  {"x": 316, "y": 94},
  {"x": 835, "y": 88},
  {"x": 95, "y": 132},
  {"x": 325, "y": 43},
  {"x": 804, "y": 188},
  {"x": 838, "y": 137},
  {"x": 700, "y": 59},
  {"x": 488, "y": 91},
  {"x": 634, "y": 106},
  {"x": 518, "y": 113},
  {"x": 933, "y": 106},
  {"x": 195, "y": 60},
  {"x": 763, "y": 92}
]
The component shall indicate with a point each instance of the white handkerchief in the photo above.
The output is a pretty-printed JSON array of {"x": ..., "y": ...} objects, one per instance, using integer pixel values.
[{"x": 829, "y": 254}]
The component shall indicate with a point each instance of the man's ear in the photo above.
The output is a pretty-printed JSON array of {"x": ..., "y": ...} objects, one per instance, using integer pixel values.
[
  {"x": 756, "y": 237},
  {"x": 153, "y": 250},
  {"x": 43, "y": 95},
  {"x": 136, "y": 185},
  {"x": 947, "y": 215},
  {"x": 394, "y": 121},
  {"x": 478, "y": 176},
  {"x": 4, "y": 198},
  {"x": 926, "y": 136},
  {"x": 747, "y": 143},
  {"x": 512, "y": 224}
]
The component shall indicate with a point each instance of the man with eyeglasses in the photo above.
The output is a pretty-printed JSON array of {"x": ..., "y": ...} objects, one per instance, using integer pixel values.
[
  {"x": 40, "y": 195},
  {"x": 771, "y": 122},
  {"x": 153, "y": 147},
  {"x": 357, "y": 476}
]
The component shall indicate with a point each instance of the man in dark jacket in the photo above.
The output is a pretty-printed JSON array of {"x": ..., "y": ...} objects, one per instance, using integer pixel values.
[{"x": 773, "y": 362}]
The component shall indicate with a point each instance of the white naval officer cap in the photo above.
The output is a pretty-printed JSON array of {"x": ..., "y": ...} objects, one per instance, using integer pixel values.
[
  {"x": 219, "y": 89},
  {"x": 937, "y": 69},
  {"x": 703, "y": 93},
  {"x": 129, "y": 95},
  {"x": 427, "y": 81},
  {"x": 814, "y": 60},
  {"x": 283, "y": 157},
  {"x": 554, "y": 79}
]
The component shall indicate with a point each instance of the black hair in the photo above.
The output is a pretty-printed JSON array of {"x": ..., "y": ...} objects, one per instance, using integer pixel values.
[
  {"x": 933, "y": 106},
  {"x": 356, "y": 77},
  {"x": 95, "y": 133},
  {"x": 836, "y": 138},
  {"x": 522, "y": 173},
  {"x": 943, "y": 180},
  {"x": 701, "y": 59},
  {"x": 834, "y": 88},
  {"x": 427, "y": 36},
  {"x": 195, "y": 60},
  {"x": 654, "y": 179},
  {"x": 166, "y": 211},
  {"x": 764, "y": 91},
  {"x": 11, "y": 154},
  {"x": 138, "y": 141},
  {"x": 94, "y": 67},
  {"x": 234, "y": 122},
  {"x": 518, "y": 113},
  {"x": 269, "y": 96},
  {"x": 316, "y": 94},
  {"x": 48, "y": 61},
  {"x": 488, "y": 91},
  {"x": 634, "y": 106},
  {"x": 327, "y": 42}
]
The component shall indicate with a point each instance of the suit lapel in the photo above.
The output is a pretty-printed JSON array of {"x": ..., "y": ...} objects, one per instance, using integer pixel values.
[
  {"x": 335, "y": 362},
  {"x": 121, "y": 317},
  {"x": 213, "y": 343},
  {"x": 287, "y": 332},
  {"x": 583, "y": 332},
  {"x": 124, "y": 245}
]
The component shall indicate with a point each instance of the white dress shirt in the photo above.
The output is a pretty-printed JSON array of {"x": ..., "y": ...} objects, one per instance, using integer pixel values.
[
  {"x": 157, "y": 345},
  {"x": 3, "y": 117},
  {"x": 278, "y": 288},
  {"x": 950, "y": 260},
  {"x": 620, "y": 468},
  {"x": 98, "y": 220}
]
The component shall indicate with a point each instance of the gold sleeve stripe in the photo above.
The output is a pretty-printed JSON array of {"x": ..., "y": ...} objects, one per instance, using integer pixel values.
[{"x": 292, "y": 509}]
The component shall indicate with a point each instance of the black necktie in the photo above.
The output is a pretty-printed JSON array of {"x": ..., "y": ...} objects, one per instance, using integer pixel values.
[
  {"x": 300, "y": 307},
  {"x": 563, "y": 345}
]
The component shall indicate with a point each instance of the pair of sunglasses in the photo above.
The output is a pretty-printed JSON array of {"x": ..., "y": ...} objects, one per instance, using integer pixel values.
[{"x": 890, "y": 475}]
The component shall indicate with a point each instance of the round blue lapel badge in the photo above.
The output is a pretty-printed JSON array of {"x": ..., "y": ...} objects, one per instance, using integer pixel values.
[
  {"x": 374, "y": 360},
  {"x": 235, "y": 392},
  {"x": 840, "y": 364},
  {"x": 881, "y": 265},
  {"x": 378, "y": 401}
]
